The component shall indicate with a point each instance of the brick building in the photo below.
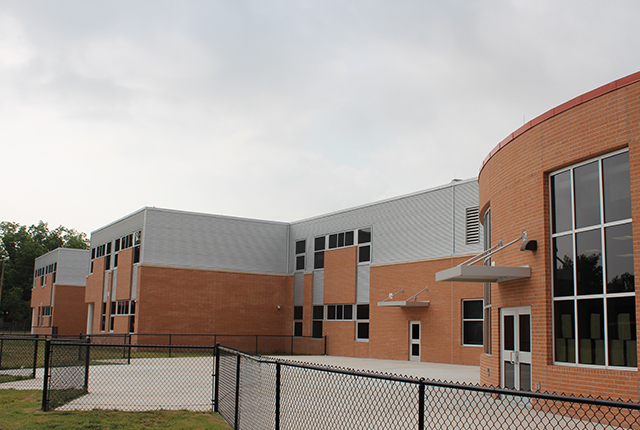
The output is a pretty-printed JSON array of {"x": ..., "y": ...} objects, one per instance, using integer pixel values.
[
  {"x": 57, "y": 295},
  {"x": 166, "y": 271},
  {"x": 567, "y": 320}
]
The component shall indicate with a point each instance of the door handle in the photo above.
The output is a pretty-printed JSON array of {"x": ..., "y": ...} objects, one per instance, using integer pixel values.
[{"x": 513, "y": 357}]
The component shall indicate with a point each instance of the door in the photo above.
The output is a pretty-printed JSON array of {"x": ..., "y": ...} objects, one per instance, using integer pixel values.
[
  {"x": 515, "y": 348},
  {"x": 414, "y": 341}
]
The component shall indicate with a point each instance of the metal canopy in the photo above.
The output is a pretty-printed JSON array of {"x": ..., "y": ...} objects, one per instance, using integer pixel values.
[
  {"x": 493, "y": 274},
  {"x": 405, "y": 304}
]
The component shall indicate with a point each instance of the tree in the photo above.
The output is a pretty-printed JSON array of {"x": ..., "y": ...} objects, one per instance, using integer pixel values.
[{"x": 20, "y": 246}]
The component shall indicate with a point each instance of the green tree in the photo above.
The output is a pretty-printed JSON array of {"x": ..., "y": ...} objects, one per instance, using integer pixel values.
[{"x": 20, "y": 246}]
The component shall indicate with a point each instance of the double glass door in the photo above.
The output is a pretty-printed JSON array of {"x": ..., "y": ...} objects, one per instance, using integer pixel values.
[{"x": 516, "y": 348}]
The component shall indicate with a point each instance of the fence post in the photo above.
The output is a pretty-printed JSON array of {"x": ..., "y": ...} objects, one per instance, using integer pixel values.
[
  {"x": 86, "y": 366},
  {"x": 45, "y": 383},
  {"x": 129, "y": 357},
  {"x": 421, "y": 405},
  {"x": 216, "y": 372},
  {"x": 277, "y": 426},
  {"x": 235, "y": 426},
  {"x": 35, "y": 357}
]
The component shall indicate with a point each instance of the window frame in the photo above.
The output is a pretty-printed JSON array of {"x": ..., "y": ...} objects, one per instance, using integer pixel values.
[
  {"x": 464, "y": 320},
  {"x": 577, "y": 301}
]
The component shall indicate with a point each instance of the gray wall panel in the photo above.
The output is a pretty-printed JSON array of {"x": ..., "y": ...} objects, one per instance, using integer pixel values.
[
  {"x": 72, "y": 265},
  {"x": 208, "y": 241},
  {"x": 406, "y": 228},
  {"x": 298, "y": 289},
  {"x": 118, "y": 228},
  {"x": 362, "y": 284},
  {"x": 318, "y": 287},
  {"x": 134, "y": 282}
]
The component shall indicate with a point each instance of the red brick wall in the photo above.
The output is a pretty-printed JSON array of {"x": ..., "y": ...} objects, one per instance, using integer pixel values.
[
  {"x": 93, "y": 292},
  {"x": 123, "y": 279},
  {"x": 70, "y": 310},
  {"x": 441, "y": 322},
  {"x": 307, "y": 304},
  {"x": 175, "y": 300},
  {"x": 340, "y": 275},
  {"x": 514, "y": 183}
]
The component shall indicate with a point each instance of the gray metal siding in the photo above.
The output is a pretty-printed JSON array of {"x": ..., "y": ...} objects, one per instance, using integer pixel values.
[
  {"x": 298, "y": 289},
  {"x": 124, "y": 226},
  {"x": 208, "y": 241},
  {"x": 318, "y": 287},
  {"x": 466, "y": 196},
  {"x": 407, "y": 228},
  {"x": 105, "y": 288},
  {"x": 114, "y": 283},
  {"x": 362, "y": 284},
  {"x": 73, "y": 266},
  {"x": 134, "y": 282}
]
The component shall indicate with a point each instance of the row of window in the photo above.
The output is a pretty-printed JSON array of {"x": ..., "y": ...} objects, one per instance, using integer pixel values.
[
  {"x": 119, "y": 244},
  {"x": 119, "y": 308},
  {"x": 45, "y": 270},
  {"x": 335, "y": 241}
]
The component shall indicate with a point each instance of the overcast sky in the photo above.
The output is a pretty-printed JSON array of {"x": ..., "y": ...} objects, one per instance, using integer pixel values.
[{"x": 278, "y": 110}]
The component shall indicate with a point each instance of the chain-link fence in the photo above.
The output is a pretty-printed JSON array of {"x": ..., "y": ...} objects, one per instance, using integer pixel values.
[
  {"x": 18, "y": 358},
  {"x": 257, "y": 393},
  {"x": 86, "y": 376}
]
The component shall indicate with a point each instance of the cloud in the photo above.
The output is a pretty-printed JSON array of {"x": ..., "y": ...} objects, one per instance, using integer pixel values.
[{"x": 279, "y": 110}]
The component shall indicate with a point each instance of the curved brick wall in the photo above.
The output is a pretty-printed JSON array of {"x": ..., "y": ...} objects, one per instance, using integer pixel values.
[{"x": 514, "y": 182}]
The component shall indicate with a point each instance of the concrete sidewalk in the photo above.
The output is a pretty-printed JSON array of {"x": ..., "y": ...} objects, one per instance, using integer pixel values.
[{"x": 435, "y": 371}]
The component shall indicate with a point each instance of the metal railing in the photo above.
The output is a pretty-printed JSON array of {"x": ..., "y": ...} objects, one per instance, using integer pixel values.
[{"x": 253, "y": 392}]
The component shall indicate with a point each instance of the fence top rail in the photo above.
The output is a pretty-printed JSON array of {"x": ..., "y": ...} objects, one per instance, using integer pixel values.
[
  {"x": 18, "y": 337},
  {"x": 127, "y": 345},
  {"x": 442, "y": 384}
]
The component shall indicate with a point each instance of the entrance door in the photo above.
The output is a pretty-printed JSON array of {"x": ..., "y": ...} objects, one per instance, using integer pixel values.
[
  {"x": 414, "y": 341},
  {"x": 515, "y": 348}
]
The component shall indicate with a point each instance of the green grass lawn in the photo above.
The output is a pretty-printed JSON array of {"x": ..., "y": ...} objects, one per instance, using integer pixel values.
[{"x": 20, "y": 409}]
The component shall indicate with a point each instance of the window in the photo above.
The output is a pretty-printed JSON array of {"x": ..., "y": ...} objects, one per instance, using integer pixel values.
[
  {"x": 318, "y": 255},
  {"x": 472, "y": 320},
  {"x": 297, "y": 321},
  {"x": 318, "y": 316},
  {"x": 364, "y": 245},
  {"x": 487, "y": 287},
  {"x": 339, "y": 312},
  {"x": 113, "y": 316},
  {"x": 301, "y": 249},
  {"x": 103, "y": 320},
  {"x": 136, "y": 254},
  {"x": 46, "y": 311},
  {"x": 362, "y": 322},
  {"x": 593, "y": 277},
  {"x": 472, "y": 226}
]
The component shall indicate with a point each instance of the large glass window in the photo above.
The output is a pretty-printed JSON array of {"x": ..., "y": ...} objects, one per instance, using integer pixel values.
[{"x": 593, "y": 276}]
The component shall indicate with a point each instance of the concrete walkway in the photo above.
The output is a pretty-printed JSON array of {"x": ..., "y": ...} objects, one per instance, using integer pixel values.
[{"x": 435, "y": 371}]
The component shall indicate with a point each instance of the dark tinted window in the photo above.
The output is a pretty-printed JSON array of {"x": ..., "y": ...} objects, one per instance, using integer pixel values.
[
  {"x": 472, "y": 309},
  {"x": 587, "y": 195},
  {"x": 331, "y": 312},
  {"x": 319, "y": 243},
  {"x": 362, "y": 312},
  {"x": 617, "y": 187},
  {"x": 297, "y": 312},
  {"x": 318, "y": 312},
  {"x": 619, "y": 246},
  {"x": 563, "y": 266},
  {"x": 297, "y": 328},
  {"x": 348, "y": 238},
  {"x": 300, "y": 262},
  {"x": 348, "y": 312},
  {"x": 364, "y": 254},
  {"x": 363, "y": 331},
  {"x": 301, "y": 246},
  {"x": 364, "y": 235},
  {"x": 316, "y": 329},
  {"x": 561, "y": 201},
  {"x": 318, "y": 260},
  {"x": 333, "y": 241},
  {"x": 589, "y": 262}
]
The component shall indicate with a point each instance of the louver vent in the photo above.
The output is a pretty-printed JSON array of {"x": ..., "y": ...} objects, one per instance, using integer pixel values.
[{"x": 472, "y": 222}]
